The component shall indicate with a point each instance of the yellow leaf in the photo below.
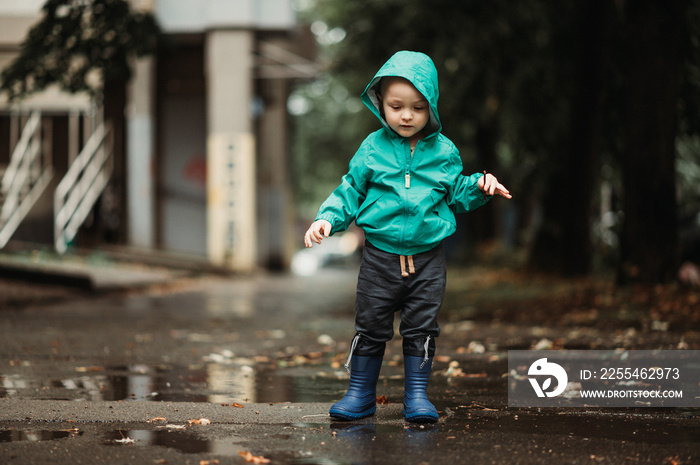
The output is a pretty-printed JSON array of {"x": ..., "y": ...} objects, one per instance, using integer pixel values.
[
  {"x": 248, "y": 457},
  {"x": 200, "y": 421}
]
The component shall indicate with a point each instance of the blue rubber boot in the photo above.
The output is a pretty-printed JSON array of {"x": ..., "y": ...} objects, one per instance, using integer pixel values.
[
  {"x": 416, "y": 406},
  {"x": 361, "y": 399}
]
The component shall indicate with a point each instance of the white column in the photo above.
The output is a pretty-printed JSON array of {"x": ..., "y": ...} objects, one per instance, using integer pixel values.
[
  {"x": 140, "y": 175},
  {"x": 231, "y": 219}
]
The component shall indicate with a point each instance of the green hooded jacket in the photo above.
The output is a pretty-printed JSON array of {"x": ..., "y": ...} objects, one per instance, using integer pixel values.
[{"x": 404, "y": 203}]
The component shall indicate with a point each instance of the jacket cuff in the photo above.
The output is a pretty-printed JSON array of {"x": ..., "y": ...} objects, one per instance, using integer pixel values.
[
  {"x": 330, "y": 218},
  {"x": 480, "y": 196}
]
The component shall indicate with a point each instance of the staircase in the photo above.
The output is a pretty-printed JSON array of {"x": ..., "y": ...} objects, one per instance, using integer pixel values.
[
  {"x": 82, "y": 185},
  {"x": 30, "y": 171},
  {"x": 25, "y": 178}
]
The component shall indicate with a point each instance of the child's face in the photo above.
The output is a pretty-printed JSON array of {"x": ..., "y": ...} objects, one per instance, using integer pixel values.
[{"x": 406, "y": 111}]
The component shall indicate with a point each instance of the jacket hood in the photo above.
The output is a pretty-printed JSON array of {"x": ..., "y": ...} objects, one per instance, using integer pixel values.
[{"x": 420, "y": 71}]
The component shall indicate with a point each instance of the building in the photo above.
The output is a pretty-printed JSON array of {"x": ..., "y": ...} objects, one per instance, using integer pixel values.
[{"x": 201, "y": 156}]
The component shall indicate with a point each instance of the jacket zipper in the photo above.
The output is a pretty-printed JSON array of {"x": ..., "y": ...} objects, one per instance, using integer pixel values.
[{"x": 408, "y": 158}]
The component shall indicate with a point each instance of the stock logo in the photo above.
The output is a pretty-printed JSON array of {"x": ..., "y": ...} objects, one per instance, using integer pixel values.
[{"x": 542, "y": 367}]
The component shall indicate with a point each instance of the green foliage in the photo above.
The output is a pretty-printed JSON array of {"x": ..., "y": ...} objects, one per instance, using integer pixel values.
[
  {"x": 79, "y": 45},
  {"x": 329, "y": 127}
]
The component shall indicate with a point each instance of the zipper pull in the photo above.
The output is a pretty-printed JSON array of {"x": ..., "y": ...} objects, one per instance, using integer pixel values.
[{"x": 407, "y": 179}]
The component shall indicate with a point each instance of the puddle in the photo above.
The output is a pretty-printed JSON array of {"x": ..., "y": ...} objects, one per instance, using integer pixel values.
[
  {"x": 37, "y": 435},
  {"x": 217, "y": 382},
  {"x": 227, "y": 381},
  {"x": 294, "y": 433},
  {"x": 179, "y": 441},
  {"x": 209, "y": 382}
]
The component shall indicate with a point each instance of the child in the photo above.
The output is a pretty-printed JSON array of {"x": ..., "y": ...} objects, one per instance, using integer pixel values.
[{"x": 403, "y": 187}]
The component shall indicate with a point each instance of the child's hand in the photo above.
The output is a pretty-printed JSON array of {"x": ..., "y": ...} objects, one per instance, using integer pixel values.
[
  {"x": 316, "y": 232},
  {"x": 490, "y": 185}
]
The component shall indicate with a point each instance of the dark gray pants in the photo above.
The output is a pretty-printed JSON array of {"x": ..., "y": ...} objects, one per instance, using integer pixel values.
[{"x": 382, "y": 291}]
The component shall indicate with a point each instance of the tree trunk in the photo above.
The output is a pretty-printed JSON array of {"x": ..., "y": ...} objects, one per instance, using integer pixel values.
[
  {"x": 649, "y": 239},
  {"x": 108, "y": 223},
  {"x": 582, "y": 161},
  {"x": 484, "y": 220},
  {"x": 563, "y": 243}
]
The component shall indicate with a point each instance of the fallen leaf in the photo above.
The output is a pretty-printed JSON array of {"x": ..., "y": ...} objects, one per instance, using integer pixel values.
[
  {"x": 89, "y": 369},
  {"x": 200, "y": 421},
  {"x": 543, "y": 344},
  {"x": 237, "y": 405},
  {"x": 476, "y": 347},
  {"x": 171, "y": 427},
  {"x": 454, "y": 370},
  {"x": 153, "y": 420},
  {"x": 124, "y": 439},
  {"x": 382, "y": 400},
  {"x": 71, "y": 430},
  {"x": 209, "y": 462},
  {"x": 74, "y": 432},
  {"x": 248, "y": 457}
]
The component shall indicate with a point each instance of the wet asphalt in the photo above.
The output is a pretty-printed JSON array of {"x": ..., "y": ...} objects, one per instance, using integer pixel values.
[{"x": 232, "y": 370}]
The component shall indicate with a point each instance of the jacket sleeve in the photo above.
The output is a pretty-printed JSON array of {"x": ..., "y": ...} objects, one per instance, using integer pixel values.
[
  {"x": 464, "y": 194},
  {"x": 340, "y": 208}
]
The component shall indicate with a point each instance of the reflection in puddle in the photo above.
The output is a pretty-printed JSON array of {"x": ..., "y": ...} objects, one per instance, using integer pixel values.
[
  {"x": 11, "y": 384},
  {"x": 37, "y": 435},
  {"x": 178, "y": 441},
  {"x": 210, "y": 382},
  {"x": 360, "y": 436}
]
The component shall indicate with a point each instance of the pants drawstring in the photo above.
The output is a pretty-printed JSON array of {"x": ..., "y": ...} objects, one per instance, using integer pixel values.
[
  {"x": 352, "y": 349},
  {"x": 411, "y": 268},
  {"x": 425, "y": 347}
]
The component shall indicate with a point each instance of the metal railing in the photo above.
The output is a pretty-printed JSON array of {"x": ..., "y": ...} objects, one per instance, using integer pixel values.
[
  {"x": 82, "y": 185},
  {"x": 25, "y": 178}
]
